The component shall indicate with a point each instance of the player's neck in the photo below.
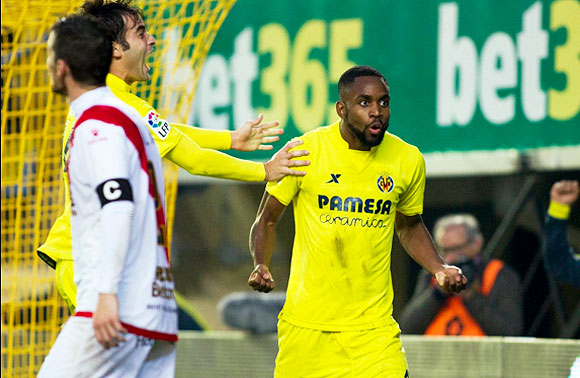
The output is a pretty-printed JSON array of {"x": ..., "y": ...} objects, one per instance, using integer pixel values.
[
  {"x": 121, "y": 72},
  {"x": 76, "y": 90}
]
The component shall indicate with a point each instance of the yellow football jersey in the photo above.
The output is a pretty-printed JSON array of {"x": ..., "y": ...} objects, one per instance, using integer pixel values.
[{"x": 344, "y": 212}]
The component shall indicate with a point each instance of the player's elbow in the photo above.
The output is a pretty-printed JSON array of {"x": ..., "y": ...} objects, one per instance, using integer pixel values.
[{"x": 267, "y": 222}]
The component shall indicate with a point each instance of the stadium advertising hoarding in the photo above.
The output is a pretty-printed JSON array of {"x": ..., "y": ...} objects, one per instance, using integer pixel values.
[{"x": 473, "y": 84}]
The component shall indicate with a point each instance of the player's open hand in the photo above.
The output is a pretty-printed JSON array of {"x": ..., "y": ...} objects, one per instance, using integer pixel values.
[
  {"x": 256, "y": 136},
  {"x": 451, "y": 279},
  {"x": 282, "y": 162},
  {"x": 261, "y": 279},
  {"x": 108, "y": 328}
]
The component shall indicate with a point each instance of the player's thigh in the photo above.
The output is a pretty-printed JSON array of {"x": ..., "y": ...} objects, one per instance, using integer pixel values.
[
  {"x": 65, "y": 283},
  {"x": 66, "y": 351},
  {"x": 77, "y": 353},
  {"x": 304, "y": 352},
  {"x": 377, "y": 352},
  {"x": 160, "y": 362}
]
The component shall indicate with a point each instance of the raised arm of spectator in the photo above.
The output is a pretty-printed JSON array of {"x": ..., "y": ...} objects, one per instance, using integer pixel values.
[{"x": 559, "y": 258}]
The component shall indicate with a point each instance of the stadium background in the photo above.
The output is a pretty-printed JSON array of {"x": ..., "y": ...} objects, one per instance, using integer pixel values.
[{"x": 489, "y": 91}]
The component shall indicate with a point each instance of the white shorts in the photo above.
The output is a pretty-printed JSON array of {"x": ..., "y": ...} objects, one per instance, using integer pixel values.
[{"x": 77, "y": 353}]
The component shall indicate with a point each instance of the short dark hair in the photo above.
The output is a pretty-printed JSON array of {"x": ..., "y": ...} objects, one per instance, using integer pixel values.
[
  {"x": 86, "y": 48},
  {"x": 348, "y": 77},
  {"x": 110, "y": 14}
]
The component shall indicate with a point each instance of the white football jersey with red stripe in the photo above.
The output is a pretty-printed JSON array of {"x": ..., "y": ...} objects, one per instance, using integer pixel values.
[{"x": 118, "y": 216}]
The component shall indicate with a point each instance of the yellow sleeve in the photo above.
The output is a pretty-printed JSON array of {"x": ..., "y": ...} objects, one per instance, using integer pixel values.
[
  {"x": 285, "y": 189},
  {"x": 206, "y": 138},
  {"x": 411, "y": 201},
  {"x": 200, "y": 161},
  {"x": 165, "y": 136},
  {"x": 58, "y": 244}
]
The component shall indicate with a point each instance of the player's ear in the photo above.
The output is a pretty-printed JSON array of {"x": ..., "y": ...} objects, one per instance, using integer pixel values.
[
  {"x": 61, "y": 68},
  {"x": 117, "y": 50},
  {"x": 340, "y": 109}
]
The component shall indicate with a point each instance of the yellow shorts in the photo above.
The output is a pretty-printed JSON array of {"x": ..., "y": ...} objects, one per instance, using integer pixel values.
[
  {"x": 304, "y": 352},
  {"x": 65, "y": 283}
]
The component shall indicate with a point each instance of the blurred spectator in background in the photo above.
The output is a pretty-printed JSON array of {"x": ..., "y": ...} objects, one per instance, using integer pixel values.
[
  {"x": 253, "y": 312},
  {"x": 492, "y": 302},
  {"x": 559, "y": 258}
]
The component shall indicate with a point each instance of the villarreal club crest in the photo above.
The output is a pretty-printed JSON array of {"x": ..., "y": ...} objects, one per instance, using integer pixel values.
[{"x": 385, "y": 183}]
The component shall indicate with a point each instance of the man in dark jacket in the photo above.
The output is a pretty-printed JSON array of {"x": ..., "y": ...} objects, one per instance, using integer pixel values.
[{"x": 492, "y": 303}]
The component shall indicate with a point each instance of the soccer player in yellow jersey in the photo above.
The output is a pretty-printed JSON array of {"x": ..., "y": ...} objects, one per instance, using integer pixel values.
[
  {"x": 132, "y": 45},
  {"x": 337, "y": 320}
]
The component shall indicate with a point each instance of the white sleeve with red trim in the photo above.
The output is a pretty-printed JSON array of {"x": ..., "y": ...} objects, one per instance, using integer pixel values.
[{"x": 106, "y": 157}]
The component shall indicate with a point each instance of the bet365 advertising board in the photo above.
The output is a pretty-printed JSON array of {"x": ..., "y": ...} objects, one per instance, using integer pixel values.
[{"x": 465, "y": 76}]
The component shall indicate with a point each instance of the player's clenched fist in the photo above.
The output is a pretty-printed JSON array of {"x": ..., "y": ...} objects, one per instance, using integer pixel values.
[
  {"x": 261, "y": 279},
  {"x": 451, "y": 279}
]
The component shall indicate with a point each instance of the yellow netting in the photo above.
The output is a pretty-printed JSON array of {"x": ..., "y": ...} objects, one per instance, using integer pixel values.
[{"x": 32, "y": 125}]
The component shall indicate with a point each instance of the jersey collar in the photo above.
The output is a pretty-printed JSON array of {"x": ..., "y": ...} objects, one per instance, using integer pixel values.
[
  {"x": 88, "y": 99},
  {"x": 117, "y": 84}
]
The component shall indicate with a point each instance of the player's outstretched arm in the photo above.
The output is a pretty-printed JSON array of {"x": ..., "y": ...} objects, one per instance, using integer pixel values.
[
  {"x": 252, "y": 135},
  {"x": 262, "y": 240},
  {"x": 200, "y": 161},
  {"x": 418, "y": 243}
]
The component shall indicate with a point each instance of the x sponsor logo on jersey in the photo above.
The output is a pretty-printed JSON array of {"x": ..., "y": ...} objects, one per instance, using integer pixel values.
[{"x": 334, "y": 178}]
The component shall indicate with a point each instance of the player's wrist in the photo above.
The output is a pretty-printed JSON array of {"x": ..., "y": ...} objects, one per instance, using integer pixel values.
[
  {"x": 267, "y": 171},
  {"x": 440, "y": 269},
  {"x": 235, "y": 140},
  {"x": 559, "y": 210}
]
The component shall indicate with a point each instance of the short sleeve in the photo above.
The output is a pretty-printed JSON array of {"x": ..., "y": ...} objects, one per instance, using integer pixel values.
[
  {"x": 411, "y": 200},
  {"x": 285, "y": 189},
  {"x": 165, "y": 135}
]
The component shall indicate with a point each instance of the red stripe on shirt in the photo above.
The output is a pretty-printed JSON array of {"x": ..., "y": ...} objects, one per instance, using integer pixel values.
[
  {"x": 112, "y": 115},
  {"x": 136, "y": 330}
]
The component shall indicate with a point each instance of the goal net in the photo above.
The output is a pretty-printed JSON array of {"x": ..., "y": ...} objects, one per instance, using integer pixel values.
[{"x": 33, "y": 120}]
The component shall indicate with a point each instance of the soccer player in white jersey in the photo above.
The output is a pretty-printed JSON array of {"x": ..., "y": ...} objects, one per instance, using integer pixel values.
[
  {"x": 125, "y": 324},
  {"x": 362, "y": 182}
]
